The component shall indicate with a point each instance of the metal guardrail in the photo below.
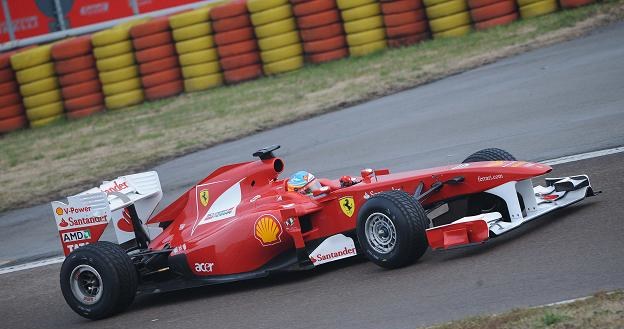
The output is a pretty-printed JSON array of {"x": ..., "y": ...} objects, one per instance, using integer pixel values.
[{"x": 64, "y": 32}]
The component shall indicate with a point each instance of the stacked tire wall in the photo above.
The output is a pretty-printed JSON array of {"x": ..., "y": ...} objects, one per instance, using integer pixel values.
[
  {"x": 117, "y": 67},
  {"x": 194, "y": 43},
  {"x": 448, "y": 18},
  {"x": 534, "y": 8},
  {"x": 158, "y": 62},
  {"x": 406, "y": 22},
  {"x": 38, "y": 84},
  {"x": 280, "y": 48},
  {"x": 363, "y": 25},
  {"x": 321, "y": 30},
  {"x": 12, "y": 115},
  {"x": 490, "y": 13},
  {"x": 236, "y": 43},
  {"x": 77, "y": 75}
]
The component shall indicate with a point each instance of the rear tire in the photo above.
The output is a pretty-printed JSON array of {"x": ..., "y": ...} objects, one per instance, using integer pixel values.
[
  {"x": 490, "y": 154},
  {"x": 391, "y": 229},
  {"x": 98, "y": 280}
]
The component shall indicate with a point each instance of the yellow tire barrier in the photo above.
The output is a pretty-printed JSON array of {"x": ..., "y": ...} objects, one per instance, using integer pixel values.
[
  {"x": 119, "y": 75},
  {"x": 356, "y": 13},
  {"x": 119, "y": 48},
  {"x": 125, "y": 99},
  {"x": 121, "y": 87},
  {"x": 42, "y": 99},
  {"x": 35, "y": 73},
  {"x": 38, "y": 86},
  {"x": 429, "y": 3},
  {"x": 115, "y": 62},
  {"x": 44, "y": 122},
  {"x": 285, "y": 65},
  {"x": 275, "y": 28},
  {"x": 281, "y": 53},
  {"x": 110, "y": 36},
  {"x": 203, "y": 82},
  {"x": 189, "y": 18},
  {"x": 446, "y": 9},
  {"x": 368, "y": 48},
  {"x": 538, "y": 8},
  {"x": 198, "y": 57},
  {"x": 192, "y": 31},
  {"x": 449, "y": 22},
  {"x": 271, "y": 15},
  {"x": 255, "y": 6},
  {"x": 522, "y": 3},
  {"x": 455, "y": 32},
  {"x": 31, "y": 57},
  {"x": 346, "y": 4},
  {"x": 197, "y": 70},
  {"x": 358, "y": 39},
  {"x": 363, "y": 24},
  {"x": 278, "y": 41},
  {"x": 44, "y": 111},
  {"x": 195, "y": 44}
]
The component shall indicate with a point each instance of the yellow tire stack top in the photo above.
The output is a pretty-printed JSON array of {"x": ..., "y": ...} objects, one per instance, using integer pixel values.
[
  {"x": 534, "y": 8},
  {"x": 448, "y": 18},
  {"x": 117, "y": 68},
  {"x": 362, "y": 41},
  {"x": 38, "y": 84},
  {"x": 280, "y": 52},
  {"x": 194, "y": 43}
]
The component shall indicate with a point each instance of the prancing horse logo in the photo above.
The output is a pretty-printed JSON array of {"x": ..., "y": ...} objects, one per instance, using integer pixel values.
[
  {"x": 347, "y": 205},
  {"x": 204, "y": 197}
]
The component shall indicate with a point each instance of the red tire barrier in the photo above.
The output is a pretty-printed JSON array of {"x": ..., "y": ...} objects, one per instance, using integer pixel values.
[
  {"x": 164, "y": 90},
  {"x": 231, "y": 23},
  {"x": 237, "y": 48},
  {"x": 234, "y": 8},
  {"x": 328, "y": 56},
  {"x": 320, "y": 19},
  {"x": 78, "y": 77},
  {"x": 155, "y": 53},
  {"x": 11, "y": 111},
  {"x": 74, "y": 64},
  {"x": 407, "y": 29},
  {"x": 494, "y": 10},
  {"x": 80, "y": 103},
  {"x": 8, "y": 87},
  {"x": 11, "y": 124},
  {"x": 85, "y": 112},
  {"x": 72, "y": 48},
  {"x": 6, "y": 75},
  {"x": 81, "y": 89},
  {"x": 153, "y": 40},
  {"x": 496, "y": 21},
  {"x": 158, "y": 65},
  {"x": 238, "y": 61},
  {"x": 243, "y": 73},
  {"x": 234, "y": 36},
  {"x": 404, "y": 18},
  {"x": 395, "y": 7},
  {"x": 480, "y": 3},
  {"x": 10, "y": 99},
  {"x": 160, "y": 78},
  {"x": 325, "y": 45},
  {"x": 154, "y": 26},
  {"x": 323, "y": 32},
  {"x": 313, "y": 7}
]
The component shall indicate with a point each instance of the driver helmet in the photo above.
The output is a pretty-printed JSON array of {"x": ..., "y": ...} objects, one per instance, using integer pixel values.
[{"x": 303, "y": 182}]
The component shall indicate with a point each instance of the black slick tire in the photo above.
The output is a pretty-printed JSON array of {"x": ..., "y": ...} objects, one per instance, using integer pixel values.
[{"x": 490, "y": 154}]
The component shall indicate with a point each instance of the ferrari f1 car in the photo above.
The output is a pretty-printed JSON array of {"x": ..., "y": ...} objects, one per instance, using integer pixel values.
[{"x": 241, "y": 222}]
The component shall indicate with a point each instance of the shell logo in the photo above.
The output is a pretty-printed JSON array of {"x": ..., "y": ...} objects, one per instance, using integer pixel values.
[
  {"x": 268, "y": 230},
  {"x": 59, "y": 211}
]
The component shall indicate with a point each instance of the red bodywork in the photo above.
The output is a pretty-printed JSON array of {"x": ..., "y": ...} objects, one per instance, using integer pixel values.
[{"x": 241, "y": 217}]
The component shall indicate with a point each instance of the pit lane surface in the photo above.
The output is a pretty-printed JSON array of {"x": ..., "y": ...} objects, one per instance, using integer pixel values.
[{"x": 552, "y": 102}]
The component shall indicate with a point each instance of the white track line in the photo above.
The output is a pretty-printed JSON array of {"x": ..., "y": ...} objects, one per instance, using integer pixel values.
[{"x": 566, "y": 159}]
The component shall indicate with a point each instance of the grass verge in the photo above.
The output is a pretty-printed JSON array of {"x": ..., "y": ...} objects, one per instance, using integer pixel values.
[
  {"x": 39, "y": 165},
  {"x": 604, "y": 311}
]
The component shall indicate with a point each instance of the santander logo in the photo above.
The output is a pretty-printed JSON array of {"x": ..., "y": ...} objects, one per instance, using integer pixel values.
[
  {"x": 125, "y": 223},
  {"x": 63, "y": 223}
]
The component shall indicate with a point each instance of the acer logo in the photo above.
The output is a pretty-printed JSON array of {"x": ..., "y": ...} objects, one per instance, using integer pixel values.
[{"x": 204, "y": 267}]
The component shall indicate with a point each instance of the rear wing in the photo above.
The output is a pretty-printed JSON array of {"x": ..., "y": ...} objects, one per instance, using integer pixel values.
[{"x": 85, "y": 216}]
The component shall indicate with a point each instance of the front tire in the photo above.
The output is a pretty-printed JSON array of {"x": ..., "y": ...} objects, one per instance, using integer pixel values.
[
  {"x": 490, "y": 154},
  {"x": 391, "y": 229},
  {"x": 98, "y": 280}
]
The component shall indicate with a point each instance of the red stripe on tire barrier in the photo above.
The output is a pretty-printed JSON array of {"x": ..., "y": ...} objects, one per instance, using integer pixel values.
[
  {"x": 395, "y": 7},
  {"x": 238, "y": 61},
  {"x": 494, "y": 10},
  {"x": 496, "y": 21},
  {"x": 320, "y": 19},
  {"x": 231, "y": 23},
  {"x": 158, "y": 65},
  {"x": 480, "y": 3},
  {"x": 79, "y": 103},
  {"x": 6, "y": 75},
  {"x": 155, "y": 53},
  {"x": 243, "y": 74},
  {"x": 404, "y": 18},
  {"x": 164, "y": 90},
  {"x": 85, "y": 112},
  {"x": 328, "y": 56},
  {"x": 313, "y": 7},
  {"x": 234, "y": 36},
  {"x": 325, "y": 45},
  {"x": 11, "y": 124},
  {"x": 74, "y": 64},
  {"x": 159, "y": 78},
  {"x": 78, "y": 77},
  {"x": 81, "y": 89},
  {"x": 407, "y": 29},
  {"x": 237, "y": 48},
  {"x": 8, "y": 87},
  {"x": 72, "y": 48},
  {"x": 231, "y": 9},
  {"x": 10, "y": 99},
  {"x": 154, "y": 26},
  {"x": 322, "y": 32},
  {"x": 152, "y": 40},
  {"x": 408, "y": 40},
  {"x": 11, "y": 111}
]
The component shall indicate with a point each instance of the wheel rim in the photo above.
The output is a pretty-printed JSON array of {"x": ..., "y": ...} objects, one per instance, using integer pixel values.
[
  {"x": 86, "y": 284},
  {"x": 380, "y": 233}
]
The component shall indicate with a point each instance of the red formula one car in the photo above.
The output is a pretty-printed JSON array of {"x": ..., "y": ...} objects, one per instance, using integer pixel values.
[{"x": 241, "y": 222}]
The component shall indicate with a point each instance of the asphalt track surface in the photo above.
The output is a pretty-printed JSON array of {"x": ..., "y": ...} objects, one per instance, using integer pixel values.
[{"x": 560, "y": 100}]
